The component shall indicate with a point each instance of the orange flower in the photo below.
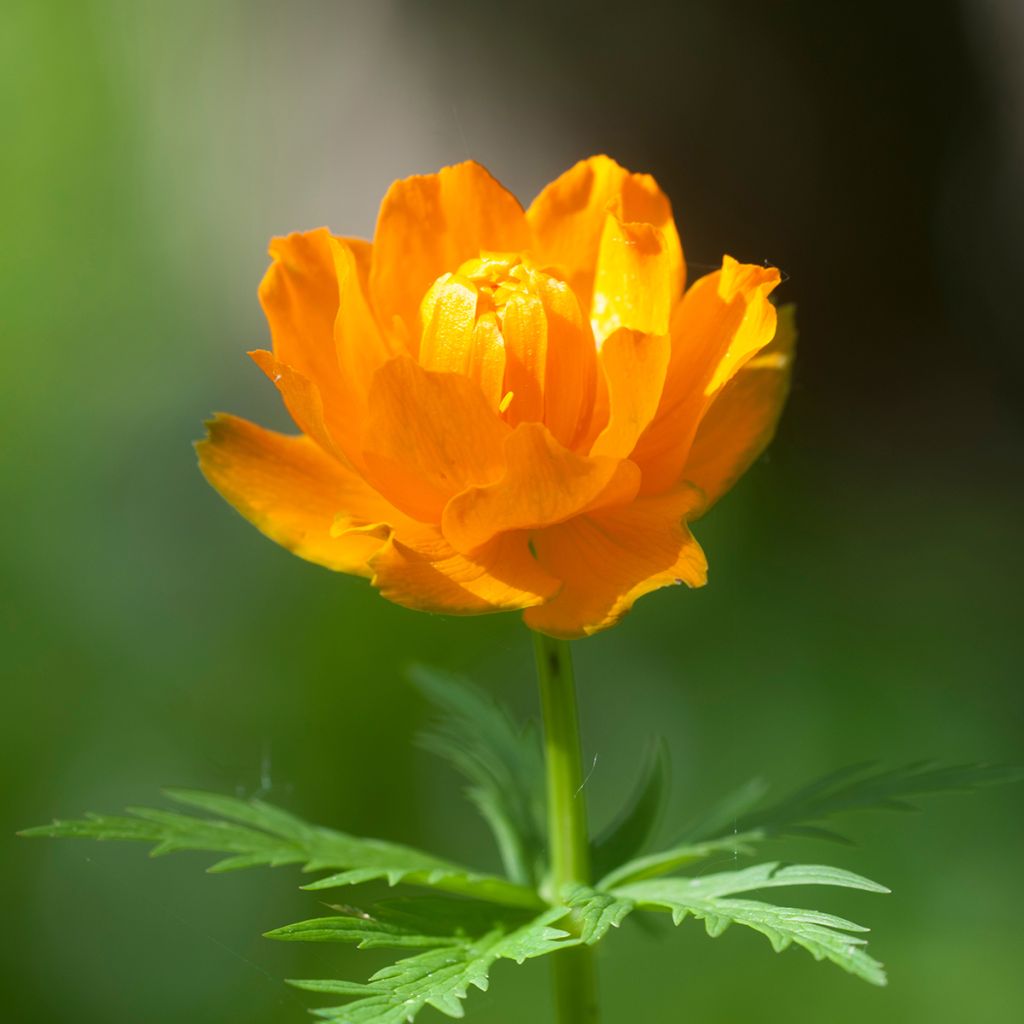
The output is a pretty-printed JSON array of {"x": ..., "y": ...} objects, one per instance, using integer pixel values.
[{"x": 506, "y": 409}]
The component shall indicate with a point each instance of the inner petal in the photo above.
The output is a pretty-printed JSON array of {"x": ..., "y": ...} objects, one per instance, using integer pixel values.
[{"x": 519, "y": 333}]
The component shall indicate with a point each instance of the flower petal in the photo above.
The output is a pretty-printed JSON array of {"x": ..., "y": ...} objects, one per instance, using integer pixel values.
[
  {"x": 723, "y": 320},
  {"x": 428, "y": 436},
  {"x": 525, "y": 330},
  {"x": 634, "y": 285},
  {"x": 455, "y": 340},
  {"x": 293, "y": 492},
  {"x": 429, "y": 225},
  {"x": 568, "y": 218},
  {"x": 571, "y": 372},
  {"x": 608, "y": 559},
  {"x": 301, "y": 398},
  {"x": 360, "y": 348},
  {"x": 741, "y": 420},
  {"x": 550, "y": 359},
  {"x": 544, "y": 483},
  {"x": 634, "y": 367},
  {"x": 299, "y": 295},
  {"x": 420, "y": 570}
]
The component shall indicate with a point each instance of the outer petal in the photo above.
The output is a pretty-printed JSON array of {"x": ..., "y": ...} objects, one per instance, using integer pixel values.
[
  {"x": 723, "y": 320},
  {"x": 293, "y": 492},
  {"x": 741, "y": 420},
  {"x": 606, "y": 560},
  {"x": 299, "y": 294},
  {"x": 543, "y": 484},
  {"x": 360, "y": 348},
  {"x": 568, "y": 218},
  {"x": 634, "y": 367},
  {"x": 428, "y": 226},
  {"x": 429, "y": 436},
  {"x": 420, "y": 570},
  {"x": 301, "y": 398},
  {"x": 634, "y": 284}
]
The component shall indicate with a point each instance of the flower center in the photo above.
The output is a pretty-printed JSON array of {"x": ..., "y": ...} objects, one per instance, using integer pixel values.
[{"x": 515, "y": 330}]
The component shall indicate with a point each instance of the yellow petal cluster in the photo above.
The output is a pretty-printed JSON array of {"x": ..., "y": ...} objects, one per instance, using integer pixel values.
[{"x": 504, "y": 408}]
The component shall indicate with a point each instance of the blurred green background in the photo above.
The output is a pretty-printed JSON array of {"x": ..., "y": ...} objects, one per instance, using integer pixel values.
[{"x": 865, "y": 593}]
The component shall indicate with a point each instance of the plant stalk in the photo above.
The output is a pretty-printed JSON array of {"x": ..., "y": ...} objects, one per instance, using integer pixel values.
[{"x": 568, "y": 838}]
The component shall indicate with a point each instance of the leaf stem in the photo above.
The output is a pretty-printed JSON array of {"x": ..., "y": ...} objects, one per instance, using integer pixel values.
[{"x": 568, "y": 839}]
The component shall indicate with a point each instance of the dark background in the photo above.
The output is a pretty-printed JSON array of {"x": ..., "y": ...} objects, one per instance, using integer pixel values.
[{"x": 864, "y": 600}]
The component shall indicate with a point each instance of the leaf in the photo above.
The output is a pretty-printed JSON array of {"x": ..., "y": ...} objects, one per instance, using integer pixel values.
[
  {"x": 398, "y": 923},
  {"x": 253, "y": 833},
  {"x": 855, "y": 787},
  {"x": 859, "y": 787},
  {"x": 630, "y": 832},
  {"x": 596, "y": 912},
  {"x": 502, "y": 761},
  {"x": 824, "y": 936},
  {"x": 665, "y": 861},
  {"x": 439, "y": 977},
  {"x": 759, "y": 876}
]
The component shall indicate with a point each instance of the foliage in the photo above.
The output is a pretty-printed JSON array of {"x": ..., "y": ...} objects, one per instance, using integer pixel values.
[
  {"x": 451, "y": 938},
  {"x": 253, "y": 833},
  {"x": 502, "y": 761},
  {"x": 463, "y": 944}
]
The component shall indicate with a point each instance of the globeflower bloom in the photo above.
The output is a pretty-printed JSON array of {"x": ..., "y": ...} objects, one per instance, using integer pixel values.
[{"x": 506, "y": 409}]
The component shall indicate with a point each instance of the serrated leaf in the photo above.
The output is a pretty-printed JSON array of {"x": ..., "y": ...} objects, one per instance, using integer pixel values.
[
  {"x": 441, "y": 977},
  {"x": 596, "y": 912},
  {"x": 425, "y": 922},
  {"x": 502, "y": 761},
  {"x": 362, "y": 930},
  {"x": 666, "y": 861},
  {"x": 257, "y": 834},
  {"x": 329, "y": 986},
  {"x": 632, "y": 829},
  {"x": 769, "y": 876},
  {"x": 824, "y": 936}
]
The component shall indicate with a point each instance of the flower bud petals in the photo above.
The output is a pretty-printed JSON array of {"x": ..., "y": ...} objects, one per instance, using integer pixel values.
[{"x": 525, "y": 329}]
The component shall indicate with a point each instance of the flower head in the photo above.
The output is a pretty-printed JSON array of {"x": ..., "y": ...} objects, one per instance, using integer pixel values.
[{"x": 503, "y": 408}]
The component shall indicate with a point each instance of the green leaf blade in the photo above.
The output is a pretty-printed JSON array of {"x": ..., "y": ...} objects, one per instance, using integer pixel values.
[
  {"x": 502, "y": 762},
  {"x": 824, "y": 936},
  {"x": 251, "y": 833},
  {"x": 442, "y": 978}
]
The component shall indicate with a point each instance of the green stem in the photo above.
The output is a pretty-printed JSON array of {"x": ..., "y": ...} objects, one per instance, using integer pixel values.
[{"x": 569, "y": 845}]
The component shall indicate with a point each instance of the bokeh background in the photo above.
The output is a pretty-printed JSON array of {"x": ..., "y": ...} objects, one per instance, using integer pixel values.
[{"x": 865, "y": 595}]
